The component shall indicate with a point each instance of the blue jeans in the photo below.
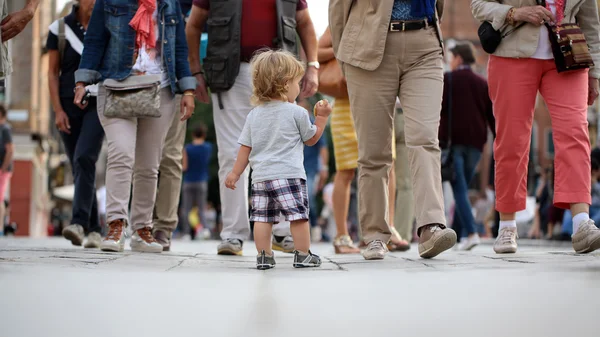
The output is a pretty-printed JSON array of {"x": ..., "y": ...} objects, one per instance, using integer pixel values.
[
  {"x": 312, "y": 196},
  {"x": 465, "y": 162}
]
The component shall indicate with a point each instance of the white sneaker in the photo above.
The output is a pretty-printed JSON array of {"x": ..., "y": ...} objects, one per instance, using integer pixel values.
[
  {"x": 115, "y": 240},
  {"x": 469, "y": 243},
  {"x": 74, "y": 233},
  {"x": 506, "y": 242},
  {"x": 376, "y": 250},
  {"x": 587, "y": 238},
  {"x": 143, "y": 241},
  {"x": 94, "y": 240}
]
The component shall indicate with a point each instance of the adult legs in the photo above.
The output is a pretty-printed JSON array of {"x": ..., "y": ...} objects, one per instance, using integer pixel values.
[
  {"x": 170, "y": 173},
  {"x": 404, "y": 213}
]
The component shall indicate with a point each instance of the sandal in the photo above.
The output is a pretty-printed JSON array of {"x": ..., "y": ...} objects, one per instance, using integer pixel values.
[{"x": 344, "y": 245}]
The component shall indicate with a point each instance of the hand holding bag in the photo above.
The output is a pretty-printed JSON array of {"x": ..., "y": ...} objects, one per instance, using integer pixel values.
[
  {"x": 331, "y": 80},
  {"x": 134, "y": 97},
  {"x": 490, "y": 38}
]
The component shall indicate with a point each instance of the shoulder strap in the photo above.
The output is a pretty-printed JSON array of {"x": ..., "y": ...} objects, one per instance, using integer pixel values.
[{"x": 61, "y": 37}]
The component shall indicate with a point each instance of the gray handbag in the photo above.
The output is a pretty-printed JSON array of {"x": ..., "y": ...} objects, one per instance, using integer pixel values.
[{"x": 134, "y": 97}]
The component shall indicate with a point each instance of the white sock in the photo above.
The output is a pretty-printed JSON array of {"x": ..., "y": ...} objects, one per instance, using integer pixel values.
[
  {"x": 508, "y": 224},
  {"x": 578, "y": 220}
]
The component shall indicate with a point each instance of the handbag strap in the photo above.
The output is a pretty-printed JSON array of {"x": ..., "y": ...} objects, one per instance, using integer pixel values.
[{"x": 162, "y": 47}]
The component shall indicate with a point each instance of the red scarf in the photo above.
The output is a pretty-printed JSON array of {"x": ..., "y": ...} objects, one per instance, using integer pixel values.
[
  {"x": 560, "y": 10},
  {"x": 143, "y": 24}
]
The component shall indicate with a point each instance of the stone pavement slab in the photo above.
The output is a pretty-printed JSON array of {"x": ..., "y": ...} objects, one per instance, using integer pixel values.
[{"x": 50, "y": 288}]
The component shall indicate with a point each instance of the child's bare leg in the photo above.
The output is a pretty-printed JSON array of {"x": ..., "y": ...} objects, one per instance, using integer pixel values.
[
  {"x": 301, "y": 233},
  {"x": 262, "y": 237}
]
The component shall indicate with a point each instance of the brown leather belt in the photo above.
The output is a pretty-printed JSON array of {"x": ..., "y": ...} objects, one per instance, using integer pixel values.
[{"x": 401, "y": 26}]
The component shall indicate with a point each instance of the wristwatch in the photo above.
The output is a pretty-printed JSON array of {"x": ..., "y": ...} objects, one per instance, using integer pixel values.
[{"x": 314, "y": 64}]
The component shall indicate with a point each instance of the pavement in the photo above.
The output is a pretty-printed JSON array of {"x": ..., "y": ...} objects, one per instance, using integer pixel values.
[{"x": 49, "y": 288}]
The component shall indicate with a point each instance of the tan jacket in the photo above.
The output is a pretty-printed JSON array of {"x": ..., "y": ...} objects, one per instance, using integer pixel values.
[
  {"x": 524, "y": 41},
  {"x": 359, "y": 30}
]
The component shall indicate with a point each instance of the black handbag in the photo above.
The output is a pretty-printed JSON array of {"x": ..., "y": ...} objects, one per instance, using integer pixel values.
[
  {"x": 490, "y": 38},
  {"x": 447, "y": 160}
]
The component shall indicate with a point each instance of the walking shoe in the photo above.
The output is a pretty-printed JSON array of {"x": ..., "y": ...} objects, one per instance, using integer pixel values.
[
  {"x": 143, "y": 241},
  {"x": 264, "y": 261},
  {"x": 283, "y": 243},
  {"x": 163, "y": 238},
  {"x": 306, "y": 260},
  {"x": 587, "y": 238},
  {"x": 74, "y": 233},
  {"x": 376, "y": 250},
  {"x": 469, "y": 243},
  {"x": 230, "y": 247},
  {"x": 344, "y": 245},
  {"x": 506, "y": 242},
  {"x": 94, "y": 239},
  {"x": 115, "y": 239},
  {"x": 434, "y": 240}
]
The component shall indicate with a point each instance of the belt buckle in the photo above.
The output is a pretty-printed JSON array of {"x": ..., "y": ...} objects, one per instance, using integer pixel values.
[{"x": 392, "y": 29}]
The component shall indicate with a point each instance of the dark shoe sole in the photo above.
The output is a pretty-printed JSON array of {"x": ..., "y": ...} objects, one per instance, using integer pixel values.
[
  {"x": 302, "y": 265},
  {"x": 265, "y": 266},
  {"x": 73, "y": 237},
  {"x": 441, "y": 245},
  {"x": 398, "y": 248},
  {"x": 229, "y": 252}
]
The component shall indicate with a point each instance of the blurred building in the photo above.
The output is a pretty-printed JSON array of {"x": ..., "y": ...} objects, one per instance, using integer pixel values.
[{"x": 27, "y": 99}]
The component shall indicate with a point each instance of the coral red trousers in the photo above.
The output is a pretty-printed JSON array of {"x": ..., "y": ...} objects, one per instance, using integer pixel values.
[{"x": 513, "y": 87}]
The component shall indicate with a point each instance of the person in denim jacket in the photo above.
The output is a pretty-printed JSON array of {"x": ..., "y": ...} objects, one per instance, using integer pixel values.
[{"x": 125, "y": 38}]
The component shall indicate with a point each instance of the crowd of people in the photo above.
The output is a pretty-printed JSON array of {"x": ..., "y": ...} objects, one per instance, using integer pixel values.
[{"x": 131, "y": 71}]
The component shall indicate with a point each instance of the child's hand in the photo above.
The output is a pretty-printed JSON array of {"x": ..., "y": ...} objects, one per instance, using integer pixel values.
[
  {"x": 322, "y": 108},
  {"x": 231, "y": 180}
]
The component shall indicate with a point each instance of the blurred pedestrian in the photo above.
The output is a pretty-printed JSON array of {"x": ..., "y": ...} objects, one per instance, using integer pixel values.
[
  {"x": 80, "y": 129},
  {"x": 229, "y": 79},
  {"x": 11, "y": 25},
  {"x": 136, "y": 121},
  {"x": 7, "y": 151},
  {"x": 196, "y": 161},
  {"x": 465, "y": 118},
  {"x": 523, "y": 64},
  {"x": 401, "y": 58},
  {"x": 272, "y": 143}
]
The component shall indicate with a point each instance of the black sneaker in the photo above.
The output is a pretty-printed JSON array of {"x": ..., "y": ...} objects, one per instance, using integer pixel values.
[
  {"x": 264, "y": 261},
  {"x": 306, "y": 261}
]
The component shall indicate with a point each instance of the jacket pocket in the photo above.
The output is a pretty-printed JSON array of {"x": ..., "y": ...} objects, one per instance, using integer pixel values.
[
  {"x": 117, "y": 17},
  {"x": 217, "y": 73},
  {"x": 289, "y": 29},
  {"x": 219, "y": 29}
]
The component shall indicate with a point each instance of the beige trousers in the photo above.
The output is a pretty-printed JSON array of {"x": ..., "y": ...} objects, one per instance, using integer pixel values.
[
  {"x": 170, "y": 171},
  {"x": 134, "y": 149},
  {"x": 404, "y": 216},
  {"x": 412, "y": 70}
]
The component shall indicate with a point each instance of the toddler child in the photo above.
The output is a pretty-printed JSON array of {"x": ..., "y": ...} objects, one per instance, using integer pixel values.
[{"x": 272, "y": 142}]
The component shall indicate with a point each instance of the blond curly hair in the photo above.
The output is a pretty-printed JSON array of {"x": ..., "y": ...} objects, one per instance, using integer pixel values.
[{"x": 272, "y": 73}]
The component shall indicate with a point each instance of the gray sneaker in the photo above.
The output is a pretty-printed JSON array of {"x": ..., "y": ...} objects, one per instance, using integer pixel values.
[
  {"x": 506, "y": 242},
  {"x": 94, "y": 240},
  {"x": 264, "y": 261},
  {"x": 74, "y": 233},
  {"x": 587, "y": 238},
  {"x": 376, "y": 250},
  {"x": 306, "y": 260},
  {"x": 230, "y": 247},
  {"x": 286, "y": 244}
]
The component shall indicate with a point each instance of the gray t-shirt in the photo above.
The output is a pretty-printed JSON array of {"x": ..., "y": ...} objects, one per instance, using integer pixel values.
[
  {"x": 5, "y": 139},
  {"x": 276, "y": 132}
]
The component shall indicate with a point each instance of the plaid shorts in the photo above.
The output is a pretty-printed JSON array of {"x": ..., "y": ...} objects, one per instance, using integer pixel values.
[{"x": 282, "y": 196}]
